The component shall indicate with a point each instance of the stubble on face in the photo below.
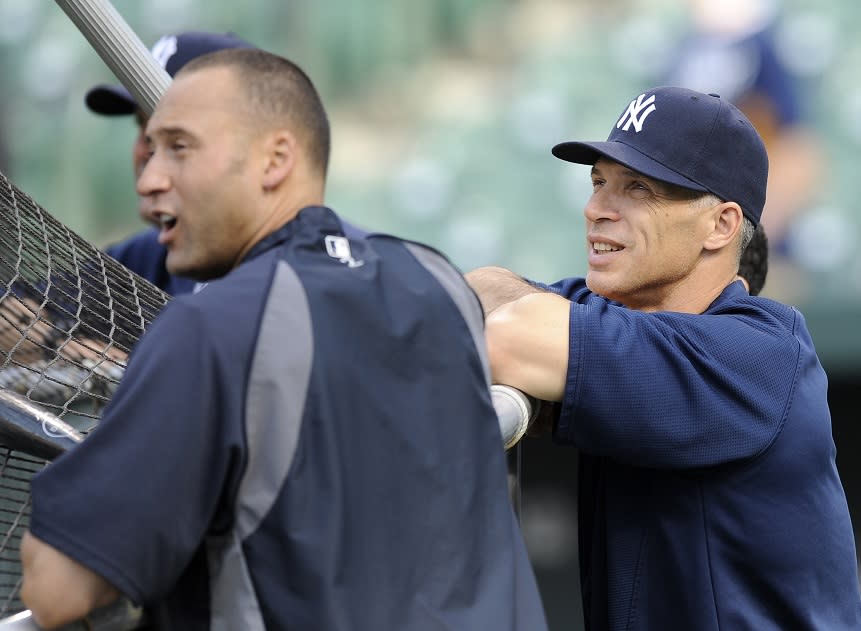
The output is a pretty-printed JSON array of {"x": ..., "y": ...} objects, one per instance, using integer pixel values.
[
  {"x": 213, "y": 190},
  {"x": 659, "y": 236}
]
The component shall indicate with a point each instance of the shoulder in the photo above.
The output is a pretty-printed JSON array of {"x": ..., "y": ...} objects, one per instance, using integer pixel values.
[
  {"x": 224, "y": 312},
  {"x": 573, "y": 289},
  {"x": 757, "y": 312},
  {"x": 143, "y": 242},
  {"x": 145, "y": 256}
]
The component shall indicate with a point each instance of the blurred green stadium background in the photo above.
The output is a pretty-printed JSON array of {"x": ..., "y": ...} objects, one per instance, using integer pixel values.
[{"x": 443, "y": 115}]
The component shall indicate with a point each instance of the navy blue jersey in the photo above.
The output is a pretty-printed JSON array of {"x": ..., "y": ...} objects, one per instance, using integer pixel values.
[
  {"x": 145, "y": 256},
  {"x": 307, "y": 443},
  {"x": 709, "y": 495}
]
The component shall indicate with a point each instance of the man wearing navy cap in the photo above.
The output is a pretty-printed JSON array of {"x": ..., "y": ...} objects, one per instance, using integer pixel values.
[
  {"x": 142, "y": 252},
  {"x": 708, "y": 490}
]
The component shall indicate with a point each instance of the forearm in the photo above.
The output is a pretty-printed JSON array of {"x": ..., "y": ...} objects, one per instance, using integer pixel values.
[
  {"x": 496, "y": 286},
  {"x": 57, "y": 589},
  {"x": 527, "y": 342}
]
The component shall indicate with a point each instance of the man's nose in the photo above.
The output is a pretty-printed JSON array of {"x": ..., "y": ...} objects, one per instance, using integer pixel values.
[
  {"x": 600, "y": 206},
  {"x": 153, "y": 178}
]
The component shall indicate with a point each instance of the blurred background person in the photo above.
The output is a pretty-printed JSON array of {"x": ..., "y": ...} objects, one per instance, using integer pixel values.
[{"x": 731, "y": 50}]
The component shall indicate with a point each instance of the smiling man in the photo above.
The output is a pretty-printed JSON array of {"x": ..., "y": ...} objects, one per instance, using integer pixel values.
[
  {"x": 709, "y": 495},
  {"x": 279, "y": 454}
]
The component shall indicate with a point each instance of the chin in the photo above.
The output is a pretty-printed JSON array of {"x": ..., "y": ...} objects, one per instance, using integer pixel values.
[
  {"x": 603, "y": 287},
  {"x": 596, "y": 283}
]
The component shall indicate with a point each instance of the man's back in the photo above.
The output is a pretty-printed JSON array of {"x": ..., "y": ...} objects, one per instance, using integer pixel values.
[{"x": 358, "y": 481}]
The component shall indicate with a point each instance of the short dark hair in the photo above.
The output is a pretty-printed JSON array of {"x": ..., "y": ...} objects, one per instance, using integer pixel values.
[
  {"x": 753, "y": 266},
  {"x": 278, "y": 89}
]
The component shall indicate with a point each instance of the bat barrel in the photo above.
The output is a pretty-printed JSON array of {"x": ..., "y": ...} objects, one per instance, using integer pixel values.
[
  {"x": 120, "y": 48},
  {"x": 515, "y": 411}
]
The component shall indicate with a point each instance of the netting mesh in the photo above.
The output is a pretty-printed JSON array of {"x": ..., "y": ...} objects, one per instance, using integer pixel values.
[{"x": 69, "y": 315}]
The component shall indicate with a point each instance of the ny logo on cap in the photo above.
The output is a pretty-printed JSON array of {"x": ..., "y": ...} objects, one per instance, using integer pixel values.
[
  {"x": 636, "y": 113},
  {"x": 164, "y": 49}
]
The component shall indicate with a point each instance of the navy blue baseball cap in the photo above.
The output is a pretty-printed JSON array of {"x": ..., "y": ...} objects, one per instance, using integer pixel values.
[
  {"x": 694, "y": 140},
  {"x": 172, "y": 52}
]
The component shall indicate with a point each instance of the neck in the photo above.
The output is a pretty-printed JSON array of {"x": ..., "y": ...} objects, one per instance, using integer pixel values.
[
  {"x": 280, "y": 207},
  {"x": 692, "y": 294},
  {"x": 690, "y": 303}
]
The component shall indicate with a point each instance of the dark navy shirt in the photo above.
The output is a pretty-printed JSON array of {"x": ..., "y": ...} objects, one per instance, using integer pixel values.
[
  {"x": 145, "y": 256},
  {"x": 709, "y": 495},
  {"x": 307, "y": 443}
]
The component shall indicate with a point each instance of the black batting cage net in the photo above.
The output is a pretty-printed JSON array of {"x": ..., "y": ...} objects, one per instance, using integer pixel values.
[{"x": 69, "y": 316}]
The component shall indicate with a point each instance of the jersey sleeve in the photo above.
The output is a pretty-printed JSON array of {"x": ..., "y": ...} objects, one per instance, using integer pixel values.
[
  {"x": 573, "y": 288},
  {"x": 135, "y": 499},
  {"x": 672, "y": 390}
]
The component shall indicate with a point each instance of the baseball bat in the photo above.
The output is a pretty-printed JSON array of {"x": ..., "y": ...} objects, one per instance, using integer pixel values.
[
  {"x": 120, "y": 48},
  {"x": 516, "y": 412}
]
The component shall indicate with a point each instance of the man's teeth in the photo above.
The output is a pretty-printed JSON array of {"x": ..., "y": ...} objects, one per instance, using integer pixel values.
[
  {"x": 605, "y": 247},
  {"x": 167, "y": 221}
]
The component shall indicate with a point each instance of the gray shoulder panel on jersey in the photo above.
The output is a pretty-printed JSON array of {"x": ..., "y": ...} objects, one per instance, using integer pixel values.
[
  {"x": 463, "y": 297},
  {"x": 275, "y": 401}
]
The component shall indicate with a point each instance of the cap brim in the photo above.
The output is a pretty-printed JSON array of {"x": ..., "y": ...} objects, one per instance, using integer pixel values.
[
  {"x": 590, "y": 152},
  {"x": 110, "y": 100}
]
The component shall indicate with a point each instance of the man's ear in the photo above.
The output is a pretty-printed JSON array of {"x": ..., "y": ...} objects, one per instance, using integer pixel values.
[
  {"x": 280, "y": 149},
  {"x": 727, "y": 220}
]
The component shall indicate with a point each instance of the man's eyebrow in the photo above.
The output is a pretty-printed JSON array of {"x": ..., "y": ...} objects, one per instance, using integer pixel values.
[
  {"x": 165, "y": 134},
  {"x": 169, "y": 131}
]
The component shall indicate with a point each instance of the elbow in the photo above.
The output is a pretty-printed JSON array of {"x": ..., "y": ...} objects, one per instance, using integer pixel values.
[
  {"x": 49, "y": 611},
  {"x": 48, "y": 619},
  {"x": 55, "y": 589}
]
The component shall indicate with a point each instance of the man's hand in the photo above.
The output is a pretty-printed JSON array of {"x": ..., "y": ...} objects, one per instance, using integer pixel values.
[
  {"x": 496, "y": 286},
  {"x": 56, "y": 588}
]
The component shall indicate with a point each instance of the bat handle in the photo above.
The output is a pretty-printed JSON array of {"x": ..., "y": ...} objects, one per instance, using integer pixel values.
[
  {"x": 515, "y": 410},
  {"x": 121, "y": 615},
  {"x": 120, "y": 48}
]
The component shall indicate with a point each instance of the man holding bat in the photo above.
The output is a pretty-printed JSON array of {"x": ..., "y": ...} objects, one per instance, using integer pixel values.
[
  {"x": 306, "y": 443},
  {"x": 708, "y": 490}
]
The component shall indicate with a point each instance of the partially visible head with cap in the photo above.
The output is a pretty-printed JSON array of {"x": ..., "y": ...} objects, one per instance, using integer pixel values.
[
  {"x": 697, "y": 141},
  {"x": 673, "y": 147},
  {"x": 172, "y": 52}
]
